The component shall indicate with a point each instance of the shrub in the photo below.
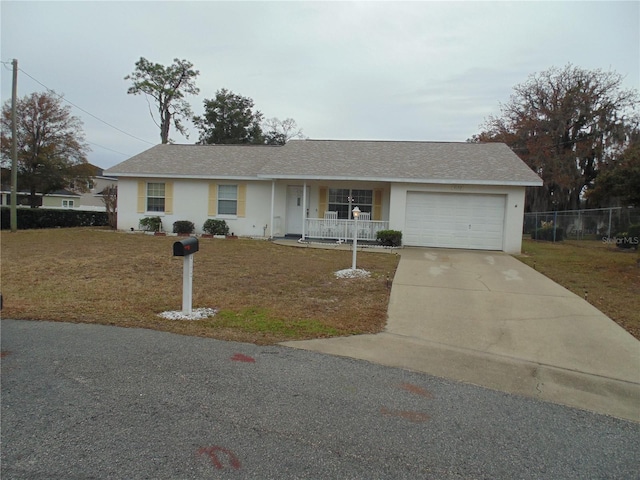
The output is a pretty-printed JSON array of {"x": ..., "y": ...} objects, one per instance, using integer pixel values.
[
  {"x": 389, "y": 238},
  {"x": 546, "y": 233},
  {"x": 151, "y": 224},
  {"x": 183, "y": 226},
  {"x": 52, "y": 218},
  {"x": 630, "y": 238},
  {"x": 216, "y": 227}
]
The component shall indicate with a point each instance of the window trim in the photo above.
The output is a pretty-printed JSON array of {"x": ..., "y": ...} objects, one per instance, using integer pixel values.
[
  {"x": 220, "y": 198},
  {"x": 163, "y": 197},
  {"x": 351, "y": 203}
]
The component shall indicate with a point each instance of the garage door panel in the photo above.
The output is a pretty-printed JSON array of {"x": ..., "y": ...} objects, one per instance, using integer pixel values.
[{"x": 454, "y": 220}]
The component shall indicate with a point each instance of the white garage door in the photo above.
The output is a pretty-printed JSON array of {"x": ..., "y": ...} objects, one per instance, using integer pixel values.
[{"x": 454, "y": 220}]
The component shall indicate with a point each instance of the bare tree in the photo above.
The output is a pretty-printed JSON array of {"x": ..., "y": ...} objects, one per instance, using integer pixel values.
[
  {"x": 279, "y": 132},
  {"x": 110, "y": 200}
]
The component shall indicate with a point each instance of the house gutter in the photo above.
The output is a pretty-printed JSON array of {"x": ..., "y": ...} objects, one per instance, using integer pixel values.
[
  {"x": 174, "y": 176},
  {"x": 448, "y": 181}
]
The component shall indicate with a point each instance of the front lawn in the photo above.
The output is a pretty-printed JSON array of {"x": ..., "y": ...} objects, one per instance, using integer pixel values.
[
  {"x": 265, "y": 293},
  {"x": 609, "y": 276}
]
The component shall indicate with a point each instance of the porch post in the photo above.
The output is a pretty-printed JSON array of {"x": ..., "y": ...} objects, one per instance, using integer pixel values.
[
  {"x": 304, "y": 209},
  {"x": 273, "y": 198}
]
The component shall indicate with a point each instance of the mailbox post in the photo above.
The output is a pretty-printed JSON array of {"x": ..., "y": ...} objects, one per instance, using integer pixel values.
[{"x": 186, "y": 248}]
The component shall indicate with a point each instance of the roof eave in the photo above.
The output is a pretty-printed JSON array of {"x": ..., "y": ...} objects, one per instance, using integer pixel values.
[
  {"x": 517, "y": 183},
  {"x": 183, "y": 177}
]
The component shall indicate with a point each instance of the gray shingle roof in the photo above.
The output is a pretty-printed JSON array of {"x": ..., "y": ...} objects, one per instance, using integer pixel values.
[
  {"x": 212, "y": 161},
  {"x": 489, "y": 163}
]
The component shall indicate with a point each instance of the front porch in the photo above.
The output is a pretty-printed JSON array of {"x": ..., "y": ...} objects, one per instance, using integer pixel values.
[{"x": 342, "y": 229}]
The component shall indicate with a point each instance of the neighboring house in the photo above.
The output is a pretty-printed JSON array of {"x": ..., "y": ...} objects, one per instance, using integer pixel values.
[
  {"x": 91, "y": 197},
  {"x": 23, "y": 196},
  {"x": 61, "y": 199},
  {"x": 440, "y": 194},
  {"x": 87, "y": 198}
]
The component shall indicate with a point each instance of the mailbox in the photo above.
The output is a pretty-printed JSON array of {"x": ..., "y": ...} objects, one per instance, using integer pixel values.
[{"x": 185, "y": 247}]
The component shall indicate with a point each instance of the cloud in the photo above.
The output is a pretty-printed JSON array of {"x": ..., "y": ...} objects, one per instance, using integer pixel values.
[{"x": 374, "y": 70}]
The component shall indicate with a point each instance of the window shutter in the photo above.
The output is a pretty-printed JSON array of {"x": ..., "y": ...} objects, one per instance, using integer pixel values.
[
  {"x": 322, "y": 201},
  {"x": 377, "y": 205},
  {"x": 168, "y": 197},
  {"x": 242, "y": 199},
  {"x": 213, "y": 200},
  {"x": 142, "y": 196}
]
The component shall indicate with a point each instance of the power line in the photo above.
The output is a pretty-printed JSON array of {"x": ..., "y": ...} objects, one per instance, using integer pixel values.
[
  {"x": 85, "y": 111},
  {"x": 110, "y": 149}
]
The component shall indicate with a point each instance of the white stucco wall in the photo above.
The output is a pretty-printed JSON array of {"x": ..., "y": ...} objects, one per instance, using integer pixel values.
[
  {"x": 190, "y": 202},
  {"x": 514, "y": 207}
]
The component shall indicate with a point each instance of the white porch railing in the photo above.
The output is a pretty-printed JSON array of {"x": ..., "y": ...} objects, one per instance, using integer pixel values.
[{"x": 343, "y": 229}]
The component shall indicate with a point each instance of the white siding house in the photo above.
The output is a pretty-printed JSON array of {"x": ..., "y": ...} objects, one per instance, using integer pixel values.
[{"x": 456, "y": 195}]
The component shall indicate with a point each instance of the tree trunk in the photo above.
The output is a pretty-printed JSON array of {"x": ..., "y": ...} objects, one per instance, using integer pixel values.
[{"x": 33, "y": 199}]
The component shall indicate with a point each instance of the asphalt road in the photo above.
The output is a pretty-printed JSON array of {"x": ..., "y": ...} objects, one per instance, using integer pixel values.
[{"x": 89, "y": 401}]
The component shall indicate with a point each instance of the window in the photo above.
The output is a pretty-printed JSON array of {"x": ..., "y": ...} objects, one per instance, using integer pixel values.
[
  {"x": 155, "y": 197},
  {"x": 344, "y": 200},
  {"x": 227, "y": 199},
  {"x": 67, "y": 203}
]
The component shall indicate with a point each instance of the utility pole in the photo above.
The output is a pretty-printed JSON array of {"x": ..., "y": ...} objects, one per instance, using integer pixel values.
[{"x": 14, "y": 150}]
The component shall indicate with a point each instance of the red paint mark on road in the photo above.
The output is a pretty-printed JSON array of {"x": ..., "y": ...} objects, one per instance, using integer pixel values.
[
  {"x": 239, "y": 357},
  {"x": 410, "y": 387},
  {"x": 4, "y": 353},
  {"x": 415, "y": 417},
  {"x": 212, "y": 453}
]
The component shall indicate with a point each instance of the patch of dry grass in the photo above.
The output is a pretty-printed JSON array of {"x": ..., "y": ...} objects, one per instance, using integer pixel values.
[
  {"x": 608, "y": 275},
  {"x": 265, "y": 292}
]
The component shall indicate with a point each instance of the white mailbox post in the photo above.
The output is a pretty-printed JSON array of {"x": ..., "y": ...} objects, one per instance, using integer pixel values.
[
  {"x": 186, "y": 248},
  {"x": 356, "y": 214}
]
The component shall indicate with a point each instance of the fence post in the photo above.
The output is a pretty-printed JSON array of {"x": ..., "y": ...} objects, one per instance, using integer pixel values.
[
  {"x": 579, "y": 227},
  {"x": 609, "y": 229},
  {"x": 555, "y": 221}
]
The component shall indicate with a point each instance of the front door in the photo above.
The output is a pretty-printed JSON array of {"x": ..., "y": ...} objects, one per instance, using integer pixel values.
[{"x": 295, "y": 215}]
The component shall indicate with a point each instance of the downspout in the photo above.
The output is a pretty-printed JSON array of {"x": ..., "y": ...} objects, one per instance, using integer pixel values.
[
  {"x": 304, "y": 208},
  {"x": 273, "y": 198}
]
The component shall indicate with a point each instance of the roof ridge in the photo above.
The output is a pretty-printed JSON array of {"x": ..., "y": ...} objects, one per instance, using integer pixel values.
[
  {"x": 215, "y": 145},
  {"x": 387, "y": 141}
]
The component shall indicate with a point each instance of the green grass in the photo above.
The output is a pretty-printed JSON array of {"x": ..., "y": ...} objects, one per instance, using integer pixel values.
[{"x": 261, "y": 322}]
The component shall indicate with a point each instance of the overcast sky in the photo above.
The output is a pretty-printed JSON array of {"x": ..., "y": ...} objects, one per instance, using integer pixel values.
[{"x": 343, "y": 70}]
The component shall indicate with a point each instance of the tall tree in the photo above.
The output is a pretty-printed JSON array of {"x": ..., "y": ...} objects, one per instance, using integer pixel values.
[
  {"x": 168, "y": 87},
  {"x": 279, "y": 132},
  {"x": 229, "y": 118},
  {"x": 565, "y": 124},
  {"x": 618, "y": 182},
  {"x": 50, "y": 144}
]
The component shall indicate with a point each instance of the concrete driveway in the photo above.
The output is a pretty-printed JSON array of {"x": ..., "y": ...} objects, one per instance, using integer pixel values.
[{"x": 488, "y": 319}]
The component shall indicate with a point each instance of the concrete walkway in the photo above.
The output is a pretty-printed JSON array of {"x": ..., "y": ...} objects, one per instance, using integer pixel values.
[{"x": 487, "y": 319}]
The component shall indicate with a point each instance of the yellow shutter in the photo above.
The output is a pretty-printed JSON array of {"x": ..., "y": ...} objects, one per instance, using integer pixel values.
[
  {"x": 213, "y": 200},
  {"x": 168, "y": 197},
  {"x": 377, "y": 205},
  {"x": 242, "y": 199},
  {"x": 322, "y": 201},
  {"x": 142, "y": 196}
]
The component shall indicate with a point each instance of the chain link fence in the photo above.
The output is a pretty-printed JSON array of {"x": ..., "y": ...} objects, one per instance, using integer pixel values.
[{"x": 594, "y": 224}]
